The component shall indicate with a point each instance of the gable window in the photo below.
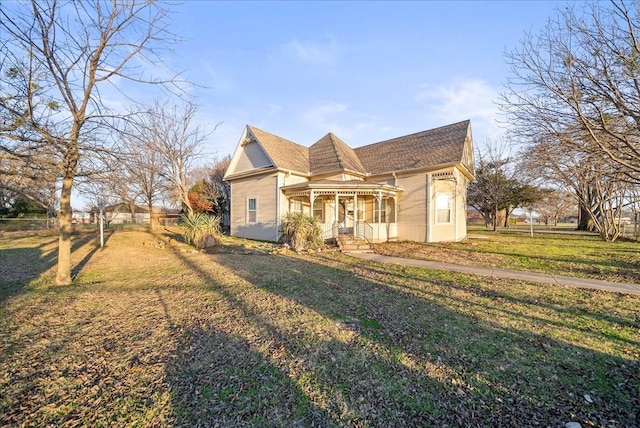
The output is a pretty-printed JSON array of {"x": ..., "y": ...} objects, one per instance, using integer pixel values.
[
  {"x": 380, "y": 215},
  {"x": 443, "y": 208},
  {"x": 252, "y": 210},
  {"x": 318, "y": 211}
]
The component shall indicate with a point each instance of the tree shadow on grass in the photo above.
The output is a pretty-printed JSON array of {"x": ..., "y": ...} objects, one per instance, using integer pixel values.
[
  {"x": 421, "y": 358},
  {"x": 544, "y": 297},
  {"x": 218, "y": 379},
  {"x": 22, "y": 265}
]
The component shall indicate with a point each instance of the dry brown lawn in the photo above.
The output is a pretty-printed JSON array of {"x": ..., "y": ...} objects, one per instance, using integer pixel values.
[{"x": 153, "y": 333}]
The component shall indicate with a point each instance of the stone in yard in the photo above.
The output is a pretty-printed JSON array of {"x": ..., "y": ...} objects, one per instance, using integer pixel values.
[{"x": 572, "y": 425}]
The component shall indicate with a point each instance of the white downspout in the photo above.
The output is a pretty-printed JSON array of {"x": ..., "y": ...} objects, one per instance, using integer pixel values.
[
  {"x": 429, "y": 216},
  {"x": 277, "y": 207}
]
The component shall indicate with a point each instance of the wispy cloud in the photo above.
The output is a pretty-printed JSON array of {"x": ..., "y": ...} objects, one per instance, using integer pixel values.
[
  {"x": 215, "y": 79},
  {"x": 351, "y": 126},
  {"x": 463, "y": 99},
  {"x": 314, "y": 53}
]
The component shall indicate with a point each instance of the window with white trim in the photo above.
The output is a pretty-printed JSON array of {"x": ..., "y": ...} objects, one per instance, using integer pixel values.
[
  {"x": 295, "y": 205},
  {"x": 252, "y": 210},
  {"x": 380, "y": 215},
  {"x": 318, "y": 211},
  {"x": 443, "y": 208}
]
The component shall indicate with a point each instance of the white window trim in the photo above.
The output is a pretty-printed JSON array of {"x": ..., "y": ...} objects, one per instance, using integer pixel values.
[
  {"x": 247, "y": 210},
  {"x": 292, "y": 205},
  {"x": 313, "y": 209},
  {"x": 450, "y": 208},
  {"x": 379, "y": 211}
]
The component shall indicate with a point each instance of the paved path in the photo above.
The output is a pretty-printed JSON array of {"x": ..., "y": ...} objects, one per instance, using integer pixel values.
[{"x": 616, "y": 287}]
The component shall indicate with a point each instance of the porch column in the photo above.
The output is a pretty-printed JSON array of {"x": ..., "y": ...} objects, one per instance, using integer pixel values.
[
  {"x": 355, "y": 214},
  {"x": 312, "y": 198},
  {"x": 379, "y": 199},
  {"x": 335, "y": 209},
  {"x": 395, "y": 208}
]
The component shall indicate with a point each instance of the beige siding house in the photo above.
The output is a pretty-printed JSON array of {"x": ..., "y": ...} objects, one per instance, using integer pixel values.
[{"x": 407, "y": 188}]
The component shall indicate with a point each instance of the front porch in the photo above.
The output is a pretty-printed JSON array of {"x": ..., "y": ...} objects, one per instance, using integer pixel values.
[
  {"x": 372, "y": 232},
  {"x": 357, "y": 209}
]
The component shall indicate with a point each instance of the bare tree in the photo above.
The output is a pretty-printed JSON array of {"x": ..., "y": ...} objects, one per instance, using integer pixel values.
[
  {"x": 553, "y": 205},
  {"x": 579, "y": 75},
  {"x": 145, "y": 168},
  {"x": 593, "y": 178},
  {"x": 169, "y": 131},
  {"x": 55, "y": 57},
  {"x": 223, "y": 189},
  {"x": 498, "y": 188}
]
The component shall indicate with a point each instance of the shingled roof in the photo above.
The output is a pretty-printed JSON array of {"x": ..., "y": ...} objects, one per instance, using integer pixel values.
[
  {"x": 331, "y": 154},
  {"x": 285, "y": 154},
  {"x": 439, "y": 146}
]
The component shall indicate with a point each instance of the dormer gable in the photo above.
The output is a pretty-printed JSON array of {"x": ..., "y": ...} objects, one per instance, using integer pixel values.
[{"x": 331, "y": 154}]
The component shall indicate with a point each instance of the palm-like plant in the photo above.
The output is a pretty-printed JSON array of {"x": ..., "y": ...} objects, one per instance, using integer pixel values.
[
  {"x": 201, "y": 230},
  {"x": 301, "y": 231}
]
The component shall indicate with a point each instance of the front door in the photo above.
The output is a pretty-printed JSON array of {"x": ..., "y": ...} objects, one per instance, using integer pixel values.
[{"x": 345, "y": 216}]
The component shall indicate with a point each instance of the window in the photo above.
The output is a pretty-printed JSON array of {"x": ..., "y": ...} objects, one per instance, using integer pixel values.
[
  {"x": 380, "y": 216},
  {"x": 252, "y": 210},
  {"x": 318, "y": 213},
  {"x": 443, "y": 208},
  {"x": 295, "y": 205}
]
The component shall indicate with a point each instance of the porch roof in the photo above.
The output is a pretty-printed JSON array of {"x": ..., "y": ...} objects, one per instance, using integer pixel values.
[{"x": 339, "y": 186}]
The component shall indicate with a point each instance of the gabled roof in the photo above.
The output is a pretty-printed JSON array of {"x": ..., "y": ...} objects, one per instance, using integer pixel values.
[
  {"x": 285, "y": 154},
  {"x": 439, "y": 146},
  {"x": 331, "y": 154},
  {"x": 436, "y": 147}
]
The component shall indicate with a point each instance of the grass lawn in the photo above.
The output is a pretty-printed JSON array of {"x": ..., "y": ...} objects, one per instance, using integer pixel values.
[
  {"x": 152, "y": 333},
  {"x": 564, "y": 254}
]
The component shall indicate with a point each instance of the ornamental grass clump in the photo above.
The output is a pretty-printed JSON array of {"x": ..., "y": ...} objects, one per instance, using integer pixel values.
[
  {"x": 201, "y": 230},
  {"x": 301, "y": 232}
]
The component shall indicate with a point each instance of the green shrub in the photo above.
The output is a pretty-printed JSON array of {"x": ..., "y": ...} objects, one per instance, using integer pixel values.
[
  {"x": 301, "y": 231},
  {"x": 201, "y": 229}
]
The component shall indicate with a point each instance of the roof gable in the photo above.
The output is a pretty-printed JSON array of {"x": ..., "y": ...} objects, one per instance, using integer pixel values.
[
  {"x": 331, "y": 154},
  {"x": 285, "y": 154}
]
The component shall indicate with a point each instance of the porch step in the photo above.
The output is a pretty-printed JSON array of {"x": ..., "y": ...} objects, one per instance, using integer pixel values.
[{"x": 348, "y": 243}]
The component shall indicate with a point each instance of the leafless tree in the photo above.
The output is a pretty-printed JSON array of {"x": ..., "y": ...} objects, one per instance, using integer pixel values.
[
  {"x": 553, "y": 205},
  {"x": 55, "y": 58},
  {"x": 169, "y": 132},
  {"x": 580, "y": 74},
  {"x": 592, "y": 177},
  {"x": 222, "y": 188},
  {"x": 18, "y": 179},
  {"x": 498, "y": 187},
  {"x": 146, "y": 173}
]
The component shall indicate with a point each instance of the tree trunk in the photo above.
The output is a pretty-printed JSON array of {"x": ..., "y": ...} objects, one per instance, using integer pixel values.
[
  {"x": 584, "y": 220},
  {"x": 132, "y": 211},
  {"x": 63, "y": 275},
  {"x": 153, "y": 219}
]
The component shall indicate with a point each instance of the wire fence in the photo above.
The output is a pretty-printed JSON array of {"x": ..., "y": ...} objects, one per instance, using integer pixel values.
[{"x": 27, "y": 224}]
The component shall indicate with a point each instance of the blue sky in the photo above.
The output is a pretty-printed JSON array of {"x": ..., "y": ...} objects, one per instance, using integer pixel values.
[{"x": 366, "y": 71}]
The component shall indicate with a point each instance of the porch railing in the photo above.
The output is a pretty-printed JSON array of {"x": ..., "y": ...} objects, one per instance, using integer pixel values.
[
  {"x": 364, "y": 230},
  {"x": 329, "y": 230}
]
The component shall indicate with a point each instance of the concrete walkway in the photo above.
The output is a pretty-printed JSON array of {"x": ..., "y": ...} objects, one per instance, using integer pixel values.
[{"x": 594, "y": 284}]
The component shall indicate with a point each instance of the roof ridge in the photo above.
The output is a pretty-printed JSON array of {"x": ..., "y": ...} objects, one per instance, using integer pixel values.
[
  {"x": 413, "y": 134},
  {"x": 333, "y": 138},
  {"x": 252, "y": 128}
]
